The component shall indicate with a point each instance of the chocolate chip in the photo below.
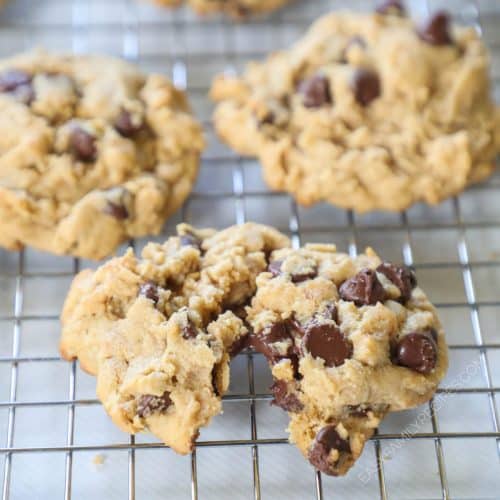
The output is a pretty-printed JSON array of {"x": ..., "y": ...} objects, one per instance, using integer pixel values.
[
  {"x": 393, "y": 7},
  {"x": 125, "y": 125},
  {"x": 116, "y": 210},
  {"x": 189, "y": 240},
  {"x": 18, "y": 84},
  {"x": 267, "y": 119},
  {"x": 150, "y": 291},
  {"x": 294, "y": 328},
  {"x": 265, "y": 340},
  {"x": 354, "y": 40},
  {"x": 214, "y": 382},
  {"x": 82, "y": 145},
  {"x": 315, "y": 92},
  {"x": 285, "y": 398},
  {"x": 327, "y": 342},
  {"x": 403, "y": 277},
  {"x": 189, "y": 331},
  {"x": 275, "y": 267},
  {"x": 331, "y": 312},
  {"x": 149, "y": 404},
  {"x": 434, "y": 334},
  {"x": 435, "y": 30},
  {"x": 417, "y": 351},
  {"x": 239, "y": 345},
  {"x": 358, "y": 411},
  {"x": 13, "y": 78},
  {"x": 366, "y": 86},
  {"x": 304, "y": 276},
  {"x": 327, "y": 439},
  {"x": 363, "y": 289}
]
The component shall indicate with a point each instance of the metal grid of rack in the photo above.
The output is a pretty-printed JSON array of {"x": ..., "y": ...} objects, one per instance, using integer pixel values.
[{"x": 46, "y": 405}]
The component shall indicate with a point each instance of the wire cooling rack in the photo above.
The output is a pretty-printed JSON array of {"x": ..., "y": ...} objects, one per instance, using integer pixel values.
[{"x": 55, "y": 439}]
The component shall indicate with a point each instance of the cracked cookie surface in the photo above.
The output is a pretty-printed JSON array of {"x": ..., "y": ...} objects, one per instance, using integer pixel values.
[
  {"x": 92, "y": 153},
  {"x": 367, "y": 111},
  {"x": 159, "y": 331},
  {"x": 235, "y": 8},
  {"x": 348, "y": 340}
]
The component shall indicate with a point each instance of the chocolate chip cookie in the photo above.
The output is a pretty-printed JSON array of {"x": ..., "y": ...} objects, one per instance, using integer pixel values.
[
  {"x": 235, "y": 8},
  {"x": 348, "y": 340},
  {"x": 159, "y": 331},
  {"x": 367, "y": 111},
  {"x": 93, "y": 152}
]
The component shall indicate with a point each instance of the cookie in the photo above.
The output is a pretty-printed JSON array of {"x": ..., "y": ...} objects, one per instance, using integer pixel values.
[
  {"x": 235, "y": 8},
  {"x": 159, "y": 331},
  {"x": 348, "y": 340},
  {"x": 93, "y": 152},
  {"x": 367, "y": 111}
]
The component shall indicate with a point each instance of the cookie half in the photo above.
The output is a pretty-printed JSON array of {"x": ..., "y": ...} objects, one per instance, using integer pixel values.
[
  {"x": 367, "y": 111},
  {"x": 159, "y": 331},
  {"x": 348, "y": 340},
  {"x": 236, "y": 8},
  {"x": 93, "y": 152}
]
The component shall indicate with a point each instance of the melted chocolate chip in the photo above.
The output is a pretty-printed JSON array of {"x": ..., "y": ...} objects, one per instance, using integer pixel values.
[
  {"x": 82, "y": 145},
  {"x": 275, "y": 267},
  {"x": 403, "y": 277},
  {"x": 331, "y": 312},
  {"x": 265, "y": 340},
  {"x": 13, "y": 78},
  {"x": 149, "y": 404},
  {"x": 189, "y": 240},
  {"x": 393, "y": 7},
  {"x": 315, "y": 92},
  {"x": 214, "y": 382},
  {"x": 417, "y": 351},
  {"x": 24, "y": 93},
  {"x": 150, "y": 291},
  {"x": 189, "y": 331},
  {"x": 285, "y": 398},
  {"x": 366, "y": 86},
  {"x": 239, "y": 345},
  {"x": 435, "y": 30},
  {"x": 326, "y": 341},
  {"x": 116, "y": 210},
  {"x": 358, "y": 411},
  {"x": 327, "y": 439},
  {"x": 363, "y": 289},
  {"x": 304, "y": 276},
  {"x": 294, "y": 328},
  {"x": 267, "y": 119},
  {"x": 18, "y": 84},
  {"x": 125, "y": 125},
  {"x": 434, "y": 334}
]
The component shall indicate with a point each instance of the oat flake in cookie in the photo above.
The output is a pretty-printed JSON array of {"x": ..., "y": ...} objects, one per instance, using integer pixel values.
[
  {"x": 348, "y": 340},
  {"x": 367, "y": 112},
  {"x": 159, "y": 331},
  {"x": 236, "y": 8},
  {"x": 92, "y": 153}
]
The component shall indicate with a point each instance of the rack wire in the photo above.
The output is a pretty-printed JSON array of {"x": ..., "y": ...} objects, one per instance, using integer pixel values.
[{"x": 454, "y": 247}]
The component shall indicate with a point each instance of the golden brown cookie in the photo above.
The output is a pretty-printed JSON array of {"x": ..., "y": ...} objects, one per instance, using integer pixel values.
[
  {"x": 92, "y": 153},
  {"x": 367, "y": 111},
  {"x": 159, "y": 331},
  {"x": 348, "y": 340}
]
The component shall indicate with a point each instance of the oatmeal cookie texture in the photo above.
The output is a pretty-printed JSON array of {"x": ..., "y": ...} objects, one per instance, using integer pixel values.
[
  {"x": 348, "y": 340},
  {"x": 92, "y": 153},
  {"x": 159, "y": 331},
  {"x": 367, "y": 111},
  {"x": 235, "y": 8}
]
